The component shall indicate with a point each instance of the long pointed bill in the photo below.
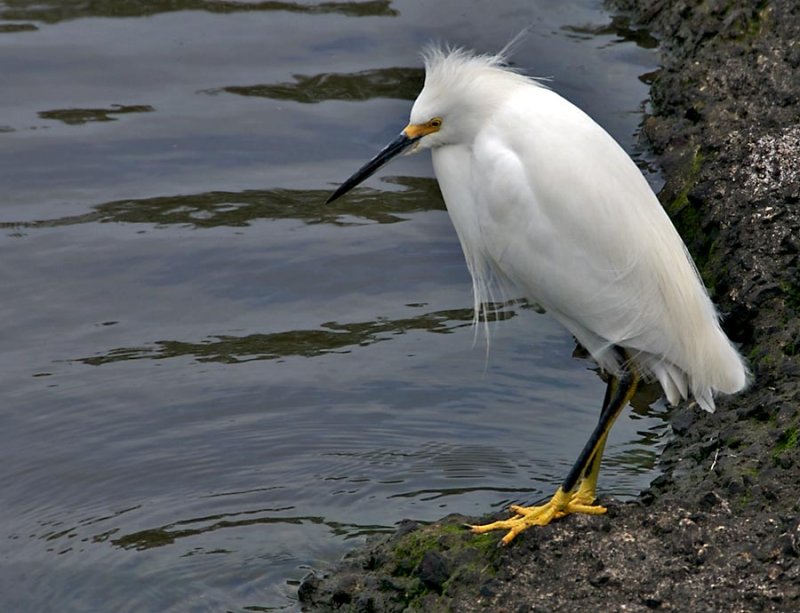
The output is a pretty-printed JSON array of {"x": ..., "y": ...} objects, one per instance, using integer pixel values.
[{"x": 396, "y": 147}]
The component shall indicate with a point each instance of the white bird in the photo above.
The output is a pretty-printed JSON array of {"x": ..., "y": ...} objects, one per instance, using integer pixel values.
[{"x": 546, "y": 202}]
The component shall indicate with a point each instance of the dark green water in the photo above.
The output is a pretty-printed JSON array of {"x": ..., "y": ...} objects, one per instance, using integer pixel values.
[{"x": 212, "y": 383}]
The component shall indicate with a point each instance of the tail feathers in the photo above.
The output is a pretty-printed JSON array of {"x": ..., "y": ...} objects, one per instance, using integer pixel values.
[
  {"x": 719, "y": 369},
  {"x": 675, "y": 385},
  {"x": 722, "y": 370},
  {"x": 705, "y": 398},
  {"x": 672, "y": 381}
]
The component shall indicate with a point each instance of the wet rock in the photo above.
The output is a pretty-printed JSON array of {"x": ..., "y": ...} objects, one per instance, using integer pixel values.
[
  {"x": 308, "y": 587},
  {"x": 710, "y": 500},
  {"x": 682, "y": 421},
  {"x": 433, "y": 570},
  {"x": 788, "y": 543},
  {"x": 490, "y": 588}
]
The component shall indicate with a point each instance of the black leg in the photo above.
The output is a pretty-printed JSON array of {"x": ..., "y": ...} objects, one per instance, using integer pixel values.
[{"x": 618, "y": 392}]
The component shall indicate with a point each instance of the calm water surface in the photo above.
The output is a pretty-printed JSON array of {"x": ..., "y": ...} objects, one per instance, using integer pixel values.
[{"x": 211, "y": 382}]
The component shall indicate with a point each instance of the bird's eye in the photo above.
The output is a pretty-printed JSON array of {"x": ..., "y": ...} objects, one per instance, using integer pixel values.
[{"x": 436, "y": 122}]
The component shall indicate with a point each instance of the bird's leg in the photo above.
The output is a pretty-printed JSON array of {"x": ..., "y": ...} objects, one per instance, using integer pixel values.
[
  {"x": 577, "y": 492},
  {"x": 584, "y": 493},
  {"x": 588, "y": 481}
]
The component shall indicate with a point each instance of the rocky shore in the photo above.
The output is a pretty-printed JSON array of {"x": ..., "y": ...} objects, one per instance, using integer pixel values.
[{"x": 720, "y": 529}]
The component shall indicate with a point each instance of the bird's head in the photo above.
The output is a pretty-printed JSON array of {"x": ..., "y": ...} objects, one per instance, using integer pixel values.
[
  {"x": 461, "y": 90},
  {"x": 425, "y": 129}
]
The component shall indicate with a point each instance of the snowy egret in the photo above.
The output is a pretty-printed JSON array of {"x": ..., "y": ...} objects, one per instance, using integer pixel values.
[{"x": 548, "y": 205}]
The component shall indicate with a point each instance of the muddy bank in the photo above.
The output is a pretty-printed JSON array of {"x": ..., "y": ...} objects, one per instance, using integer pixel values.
[{"x": 719, "y": 530}]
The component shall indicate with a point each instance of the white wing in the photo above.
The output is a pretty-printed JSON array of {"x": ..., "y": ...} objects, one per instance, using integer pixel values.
[{"x": 555, "y": 206}]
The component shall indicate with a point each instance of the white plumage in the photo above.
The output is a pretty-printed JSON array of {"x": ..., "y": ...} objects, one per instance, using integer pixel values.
[{"x": 543, "y": 199}]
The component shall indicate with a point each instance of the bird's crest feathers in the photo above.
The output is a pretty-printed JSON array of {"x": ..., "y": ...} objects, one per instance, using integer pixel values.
[{"x": 451, "y": 67}]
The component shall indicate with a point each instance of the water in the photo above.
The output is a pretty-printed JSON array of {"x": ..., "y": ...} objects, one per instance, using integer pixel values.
[{"x": 211, "y": 382}]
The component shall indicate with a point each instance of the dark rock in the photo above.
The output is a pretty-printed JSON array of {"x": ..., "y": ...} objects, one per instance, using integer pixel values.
[
  {"x": 759, "y": 412},
  {"x": 433, "y": 570},
  {"x": 600, "y": 579},
  {"x": 308, "y": 587},
  {"x": 788, "y": 544},
  {"x": 490, "y": 588},
  {"x": 710, "y": 500},
  {"x": 682, "y": 421},
  {"x": 341, "y": 597},
  {"x": 365, "y": 604},
  {"x": 652, "y": 602},
  {"x": 405, "y": 527}
]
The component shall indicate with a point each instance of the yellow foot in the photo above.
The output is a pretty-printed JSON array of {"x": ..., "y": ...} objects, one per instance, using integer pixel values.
[{"x": 558, "y": 506}]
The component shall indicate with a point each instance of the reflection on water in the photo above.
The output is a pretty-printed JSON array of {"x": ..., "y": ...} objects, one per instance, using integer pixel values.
[
  {"x": 54, "y": 11},
  {"x": 619, "y": 26},
  {"x": 144, "y": 219},
  {"x": 17, "y": 27},
  {"x": 167, "y": 535},
  {"x": 397, "y": 83},
  {"x": 237, "y": 209},
  {"x": 332, "y": 338},
  {"x": 74, "y": 117}
]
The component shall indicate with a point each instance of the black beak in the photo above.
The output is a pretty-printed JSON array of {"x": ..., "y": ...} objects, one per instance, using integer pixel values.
[{"x": 393, "y": 149}]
